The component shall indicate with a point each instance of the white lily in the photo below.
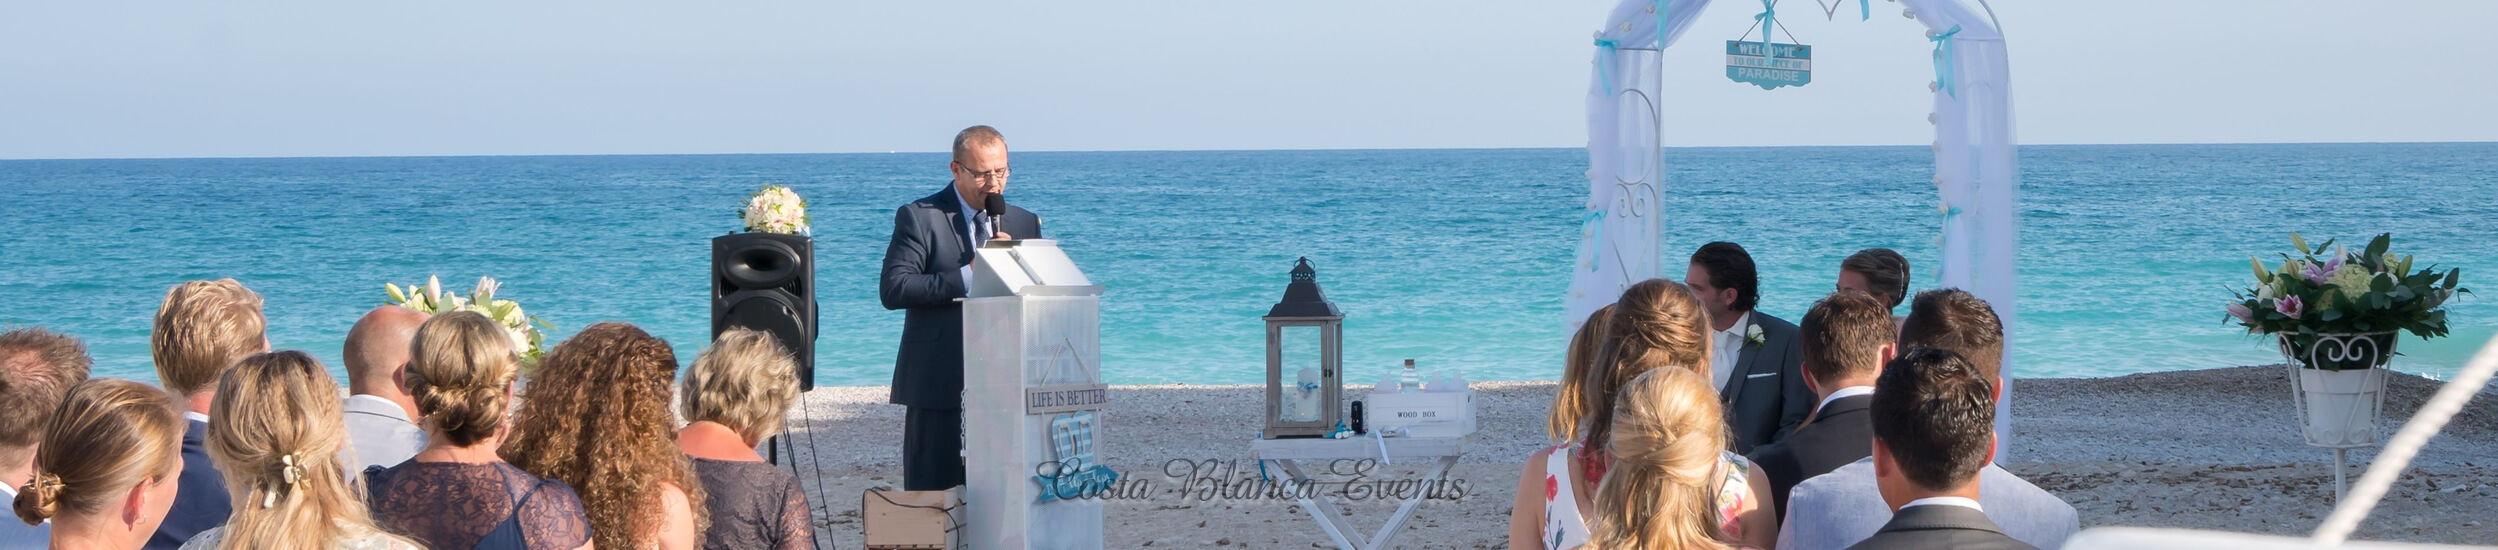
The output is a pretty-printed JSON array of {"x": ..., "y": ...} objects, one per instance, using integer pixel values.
[{"x": 433, "y": 291}]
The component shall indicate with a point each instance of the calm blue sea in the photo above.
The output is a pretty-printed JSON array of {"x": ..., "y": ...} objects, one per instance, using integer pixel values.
[{"x": 1456, "y": 258}]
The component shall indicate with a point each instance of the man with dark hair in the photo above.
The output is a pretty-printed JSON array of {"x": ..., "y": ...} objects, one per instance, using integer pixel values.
[
  {"x": 928, "y": 265},
  {"x": 37, "y": 367},
  {"x": 1754, "y": 360},
  {"x": 1847, "y": 338},
  {"x": 1843, "y": 507},
  {"x": 1934, "y": 428}
]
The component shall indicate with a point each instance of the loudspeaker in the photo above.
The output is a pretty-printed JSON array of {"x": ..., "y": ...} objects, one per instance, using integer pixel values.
[{"x": 766, "y": 282}]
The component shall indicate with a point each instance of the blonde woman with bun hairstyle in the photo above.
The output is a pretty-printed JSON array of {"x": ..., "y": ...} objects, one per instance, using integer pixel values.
[
  {"x": 1672, "y": 479},
  {"x": 458, "y": 493},
  {"x": 106, "y": 472},
  {"x": 1657, "y": 324},
  {"x": 276, "y": 431}
]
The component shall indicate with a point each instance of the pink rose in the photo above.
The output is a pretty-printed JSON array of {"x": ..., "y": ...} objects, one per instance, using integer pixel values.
[{"x": 2289, "y": 305}]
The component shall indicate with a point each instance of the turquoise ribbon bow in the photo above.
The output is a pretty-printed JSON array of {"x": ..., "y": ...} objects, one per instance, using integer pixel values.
[
  {"x": 1595, "y": 222},
  {"x": 1661, "y": 7},
  {"x": 1943, "y": 61},
  {"x": 1768, "y": 19},
  {"x": 1604, "y": 66},
  {"x": 1864, "y": 9},
  {"x": 1943, "y": 240}
]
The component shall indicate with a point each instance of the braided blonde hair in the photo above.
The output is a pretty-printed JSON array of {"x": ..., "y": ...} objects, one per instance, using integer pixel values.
[
  {"x": 1660, "y": 491},
  {"x": 460, "y": 370},
  {"x": 275, "y": 432}
]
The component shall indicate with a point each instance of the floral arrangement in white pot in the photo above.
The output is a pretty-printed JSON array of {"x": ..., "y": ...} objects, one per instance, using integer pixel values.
[
  {"x": 776, "y": 209},
  {"x": 431, "y": 299}
]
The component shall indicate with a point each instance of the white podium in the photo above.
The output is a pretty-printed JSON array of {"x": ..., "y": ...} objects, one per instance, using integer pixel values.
[{"x": 1031, "y": 388}]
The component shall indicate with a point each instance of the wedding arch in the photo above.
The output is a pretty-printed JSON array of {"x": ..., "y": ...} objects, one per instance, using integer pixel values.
[{"x": 1975, "y": 173}]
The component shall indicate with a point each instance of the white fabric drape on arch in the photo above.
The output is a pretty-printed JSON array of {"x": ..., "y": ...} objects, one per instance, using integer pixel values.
[{"x": 1976, "y": 172}]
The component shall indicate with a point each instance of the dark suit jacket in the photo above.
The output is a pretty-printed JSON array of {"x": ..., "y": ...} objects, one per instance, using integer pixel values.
[
  {"x": 1941, "y": 527},
  {"x": 922, "y": 276},
  {"x": 201, "y": 503},
  {"x": 1765, "y": 398},
  {"x": 1839, "y": 434}
]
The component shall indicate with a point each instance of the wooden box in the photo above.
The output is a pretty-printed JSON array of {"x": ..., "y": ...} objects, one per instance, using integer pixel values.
[{"x": 915, "y": 520}]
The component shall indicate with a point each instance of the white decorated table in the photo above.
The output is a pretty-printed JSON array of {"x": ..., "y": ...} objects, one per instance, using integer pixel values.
[{"x": 1287, "y": 454}]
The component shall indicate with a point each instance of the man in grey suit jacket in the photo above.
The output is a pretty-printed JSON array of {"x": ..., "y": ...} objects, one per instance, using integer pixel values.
[
  {"x": 381, "y": 425},
  {"x": 1933, "y": 429},
  {"x": 926, "y": 267},
  {"x": 1756, "y": 363},
  {"x": 1842, "y": 507}
]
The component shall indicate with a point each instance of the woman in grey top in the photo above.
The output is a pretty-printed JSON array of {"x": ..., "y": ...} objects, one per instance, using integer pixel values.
[{"x": 735, "y": 395}]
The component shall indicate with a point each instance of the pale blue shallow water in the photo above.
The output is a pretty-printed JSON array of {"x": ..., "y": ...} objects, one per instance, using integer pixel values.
[{"x": 1456, "y": 258}]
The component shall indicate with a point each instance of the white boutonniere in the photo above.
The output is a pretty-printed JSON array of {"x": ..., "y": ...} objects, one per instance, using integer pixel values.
[{"x": 1753, "y": 338}]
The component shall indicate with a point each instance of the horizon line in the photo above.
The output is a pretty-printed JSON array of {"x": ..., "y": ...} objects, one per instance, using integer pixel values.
[{"x": 1242, "y": 150}]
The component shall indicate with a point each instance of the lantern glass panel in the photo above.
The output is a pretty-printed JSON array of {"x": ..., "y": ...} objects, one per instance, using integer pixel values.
[{"x": 1301, "y": 401}]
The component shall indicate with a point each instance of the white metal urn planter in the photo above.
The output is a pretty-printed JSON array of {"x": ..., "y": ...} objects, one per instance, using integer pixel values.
[{"x": 2337, "y": 382}]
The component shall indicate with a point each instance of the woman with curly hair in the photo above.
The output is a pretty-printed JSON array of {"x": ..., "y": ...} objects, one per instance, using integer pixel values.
[
  {"x": 458, "y": 493},
  {"x": 736, "y": 394},
  {"x": 598, "y": 418},
  {"x": 276, "y": 431}
]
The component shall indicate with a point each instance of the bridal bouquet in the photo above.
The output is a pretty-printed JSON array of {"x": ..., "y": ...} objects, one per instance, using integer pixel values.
[
  {"x": 776, "y": 209},
  {"x": 2328, "y": 289},
  {"x": 431, "y": 299}
]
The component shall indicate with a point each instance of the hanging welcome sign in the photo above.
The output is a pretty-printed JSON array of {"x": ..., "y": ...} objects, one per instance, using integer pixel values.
[
  {"x": 1779, "y": 65},
  {"x": 1767, "y": 64}
]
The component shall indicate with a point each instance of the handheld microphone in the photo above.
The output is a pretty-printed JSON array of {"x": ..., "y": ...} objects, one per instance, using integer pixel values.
[{"x": 996, "y": 206}]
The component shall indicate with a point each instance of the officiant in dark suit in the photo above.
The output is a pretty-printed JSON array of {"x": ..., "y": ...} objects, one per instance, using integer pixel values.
[
  {"x": 1755, "y": 362},
  {"x": 926, "y": 268}
]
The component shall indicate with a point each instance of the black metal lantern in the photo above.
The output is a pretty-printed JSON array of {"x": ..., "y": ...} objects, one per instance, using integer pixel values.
[{"x": 1304, "y": 360}]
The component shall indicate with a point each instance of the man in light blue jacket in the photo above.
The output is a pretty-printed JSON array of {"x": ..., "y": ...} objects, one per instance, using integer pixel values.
[{"x": 1843, "y": 507}]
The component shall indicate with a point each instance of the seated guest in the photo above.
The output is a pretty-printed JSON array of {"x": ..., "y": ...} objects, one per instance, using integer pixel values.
[
  {"x": 1656, "y": 324},
  {"x": 1842, "y": 507},
  {"x": 1563, "y": 422},
  {"x": 202, "y": 328},
  {"x": 1881, "y": 272},
  {"x": 276, "y": 434},
  {"x": 1934, "y": 428},
  {"x": 457, "y": 493},
  {"x": 1847, "y": 337},
  {"x": 736, "y": 394},
  {"x": 1668, "y": 476},
  {"x": 37, "y": 367},
  {"x": 379, "y": 411},
  {"x": 598, "y": 418},
  {"x": 1754, "y": 362},
  {"x": 107, "y": 469}
]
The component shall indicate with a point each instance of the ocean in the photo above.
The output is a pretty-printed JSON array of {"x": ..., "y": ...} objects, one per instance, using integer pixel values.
[{"x": 1455, "y": 258}]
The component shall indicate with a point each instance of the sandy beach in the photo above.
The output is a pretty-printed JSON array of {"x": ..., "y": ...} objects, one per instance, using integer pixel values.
[{"x": 2209, "y": 449}]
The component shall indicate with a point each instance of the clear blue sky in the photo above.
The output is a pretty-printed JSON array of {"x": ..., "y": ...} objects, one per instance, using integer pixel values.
[{"x": 120, "y": 78}]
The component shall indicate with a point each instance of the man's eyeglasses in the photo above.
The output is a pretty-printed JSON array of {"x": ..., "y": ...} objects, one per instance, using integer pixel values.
[{"x": 992, "y": 175}]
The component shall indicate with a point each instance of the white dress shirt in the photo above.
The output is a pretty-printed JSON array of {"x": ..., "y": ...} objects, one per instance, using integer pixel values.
[
  {"x": 975, "y": 224},
  {"x": 1728, "y": 346},
  {"x": 1963, "y": 502},
  {"x": 379, "y": 432},
  {"x": 1850, "y": 391},
  {"x": 195, "y": 416}
]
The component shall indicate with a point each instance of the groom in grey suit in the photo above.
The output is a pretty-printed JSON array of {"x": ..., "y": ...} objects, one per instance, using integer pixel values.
[
  {"x": 1840, "y": 508},
  {"x": 926, "y": 267},
  {"x": 1756, "y": 362}
]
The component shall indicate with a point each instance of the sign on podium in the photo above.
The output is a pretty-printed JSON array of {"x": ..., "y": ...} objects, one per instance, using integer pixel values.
[{"x": 1032, "y": 388}]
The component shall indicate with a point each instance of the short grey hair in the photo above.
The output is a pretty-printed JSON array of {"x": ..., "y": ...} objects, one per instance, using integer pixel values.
[
  {"x": 973, "y": 137},
  {"x": 746, "y": 381}
]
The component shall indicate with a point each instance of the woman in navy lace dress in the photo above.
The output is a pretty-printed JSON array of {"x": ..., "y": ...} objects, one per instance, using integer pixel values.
[{"x": 458, "y": 493}]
